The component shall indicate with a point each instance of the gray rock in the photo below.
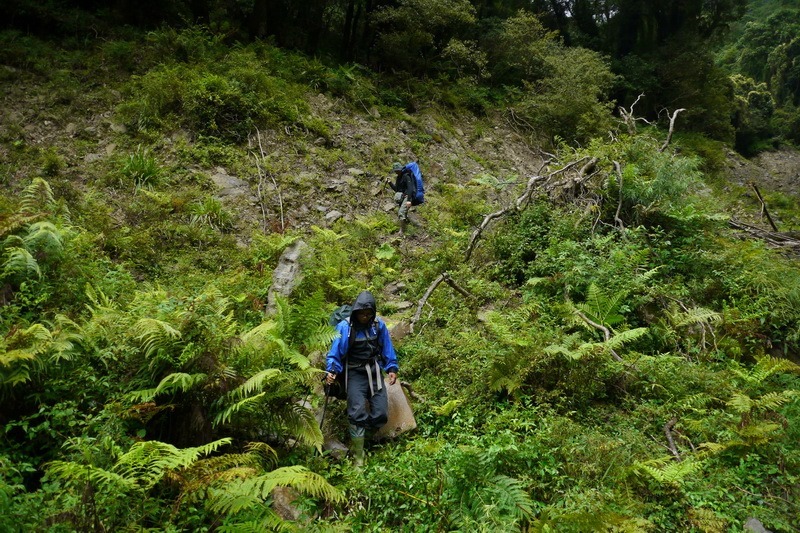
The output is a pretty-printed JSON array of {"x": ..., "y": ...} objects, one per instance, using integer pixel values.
[
  {"x": 288, "y": 274},
  {"x": 333, "y": 216},
  {"x": 755, "y": 525}
]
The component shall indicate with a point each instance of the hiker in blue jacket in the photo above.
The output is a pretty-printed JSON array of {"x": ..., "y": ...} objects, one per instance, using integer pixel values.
[
  {"x": 404, "y": 187},
  {"x": 361, "y": 351}
]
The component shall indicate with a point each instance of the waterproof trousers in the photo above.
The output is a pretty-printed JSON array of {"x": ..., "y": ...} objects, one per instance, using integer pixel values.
[{"x": 365, "y": 410}]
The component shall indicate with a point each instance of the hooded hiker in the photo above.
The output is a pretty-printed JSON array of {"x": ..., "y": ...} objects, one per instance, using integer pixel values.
[
  {"x": 361, "y": 351},
  {"x": 405, "y": 189}
]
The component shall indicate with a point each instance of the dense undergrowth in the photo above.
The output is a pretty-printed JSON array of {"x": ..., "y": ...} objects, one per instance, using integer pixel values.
[{"x": 623, "y": 363}]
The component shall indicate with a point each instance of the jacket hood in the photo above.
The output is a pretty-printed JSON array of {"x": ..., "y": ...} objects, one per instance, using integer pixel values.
[{"x": 365, "y": 300}]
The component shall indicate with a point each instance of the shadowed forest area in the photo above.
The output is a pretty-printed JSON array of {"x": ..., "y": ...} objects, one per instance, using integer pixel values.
[{"x": 596, "y": 310}]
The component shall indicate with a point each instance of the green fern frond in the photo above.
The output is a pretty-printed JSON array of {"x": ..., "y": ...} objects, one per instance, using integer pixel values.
[
  {"x": 667, "y": 471},
  {"x": 146, "y": 463},
  {"x": 154, "y": 334},
  {"x": 37, "y": 197},
  {"x": 269, "y": 521},
  {"x": 510, "y": 495},
  {"x": 774, "y": 400},
  {"x": 256, "y": 382},
  {"x": 740, "y": 403},
  {"x": 327, "y": 235},
  {"x": 20, "y": 262},
  {"x": 77, "y": 475},
  {"x": 43, "y": 235},
  {"x": 448, "y": 408},
  {"x": 557, "y": 349},
  {"x": 600, "y": 307},
  {"x": 505, "y": 329},
  {"x": 299, "y": 421},
  {"x": 759, "y": 433},
  {"x": 248, "y": 493},
  {"x": 177, "y": 381},
  {"x": 14, "y": 223},
  {"x": 246, "y": 404},
  {"x": 695, "y": 315},
  {"x": 619, "y": 339},
  {"x": 767, "y": 366}
]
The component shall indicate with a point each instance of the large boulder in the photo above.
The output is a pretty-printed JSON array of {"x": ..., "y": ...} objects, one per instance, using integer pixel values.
[{"x": 288, "y": 274}]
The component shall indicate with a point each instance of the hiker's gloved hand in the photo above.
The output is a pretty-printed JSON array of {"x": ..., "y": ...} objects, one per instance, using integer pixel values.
[
  {"x": 392, "y": 378},
  {"x": 330, "y": 378}
]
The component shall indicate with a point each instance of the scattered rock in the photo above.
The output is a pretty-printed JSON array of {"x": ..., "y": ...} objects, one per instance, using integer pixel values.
[
  {"x": 229, "y": 185},
  {"x": 333, "y": 216}
]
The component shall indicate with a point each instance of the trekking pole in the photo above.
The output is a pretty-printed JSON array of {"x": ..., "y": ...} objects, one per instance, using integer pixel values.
[{"x": 325, "y": 405}]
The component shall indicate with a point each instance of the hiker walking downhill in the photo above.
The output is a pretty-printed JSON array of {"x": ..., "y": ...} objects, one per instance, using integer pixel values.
[
  {"x": 361, "y": 351},
  {"x": 405, "y": 188}
]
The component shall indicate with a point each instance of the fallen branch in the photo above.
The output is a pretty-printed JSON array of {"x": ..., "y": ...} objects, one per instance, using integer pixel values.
[
  {"x": 444, "y": 276},
  {"x": 764, "y": 206},
  {"x": 776, "y": 239},
  {"x": 668, "y": 432}
]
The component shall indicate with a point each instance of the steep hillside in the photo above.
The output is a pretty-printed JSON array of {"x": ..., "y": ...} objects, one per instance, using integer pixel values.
[{"x": 607, "y": 353}]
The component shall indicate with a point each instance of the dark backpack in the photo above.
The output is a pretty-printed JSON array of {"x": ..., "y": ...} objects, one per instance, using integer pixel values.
[{"x": 419, "y": 196}]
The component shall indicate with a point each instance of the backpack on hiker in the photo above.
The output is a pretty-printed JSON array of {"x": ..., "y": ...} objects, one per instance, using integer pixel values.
[
  {"x": 338, "y": 389},
  {"x": 419, "y": 196}
]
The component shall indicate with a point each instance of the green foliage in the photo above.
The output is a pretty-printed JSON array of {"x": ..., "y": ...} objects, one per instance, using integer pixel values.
[
  {"x": 141, "y": 170},
  {"x": 210, "y": 212},
  {"x": 417, "y": 31}
]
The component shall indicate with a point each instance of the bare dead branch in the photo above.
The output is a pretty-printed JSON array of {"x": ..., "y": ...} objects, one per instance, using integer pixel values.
[
  {"x": 628, "y": 118},
  {"x": 668, "y": 432},
  {"x": 424, "y": 299},
  {"x": 776, "y": 239},
  {"x": 764, "y": 206},
  {"x": 473, "y": 241},
  {"x": 618, "y": 220},
  {"x": 671, "y": 128},
  {"x": 444, "y": 276}
]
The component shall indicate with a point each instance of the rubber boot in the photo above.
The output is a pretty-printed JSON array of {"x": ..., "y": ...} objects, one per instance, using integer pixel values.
[
  {"x": 403, "y": 224},
  {"x": 357, "y": 449}
]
